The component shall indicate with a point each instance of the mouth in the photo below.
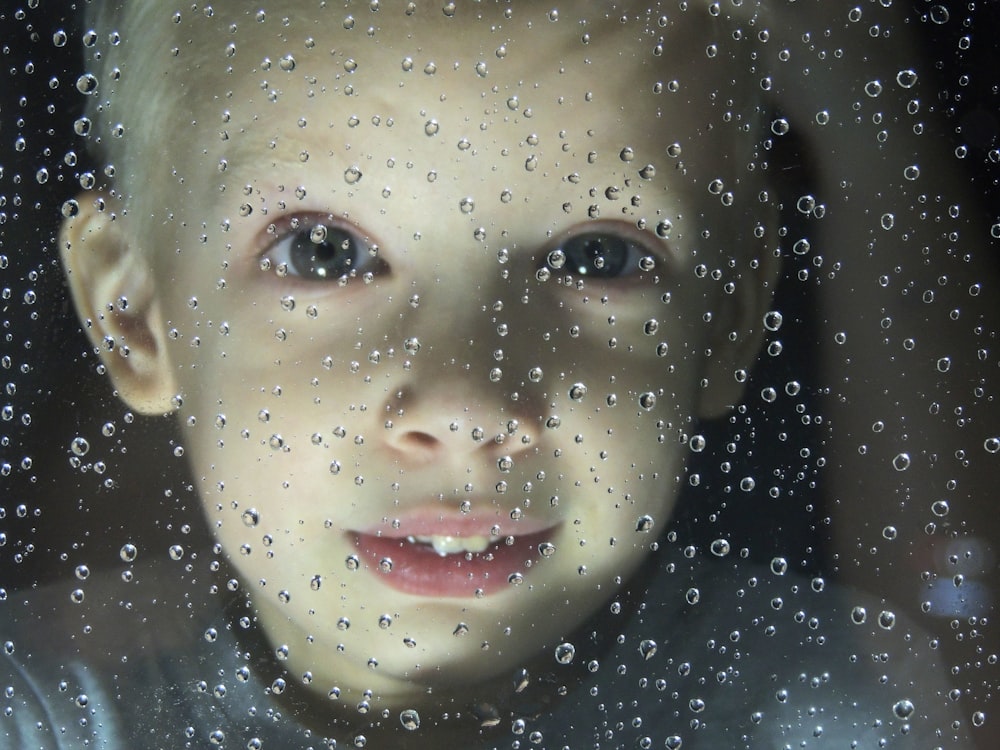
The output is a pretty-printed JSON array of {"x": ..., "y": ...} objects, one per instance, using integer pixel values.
[{"x": 458, "y": 564}]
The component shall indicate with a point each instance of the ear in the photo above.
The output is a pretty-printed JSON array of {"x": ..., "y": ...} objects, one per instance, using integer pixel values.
[
  {"x": 737, "y": 334},
  {"x": 115, "y": 296}
]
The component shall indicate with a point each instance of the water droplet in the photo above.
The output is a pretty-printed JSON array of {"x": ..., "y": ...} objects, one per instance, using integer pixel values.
[
  {"x": 565, "y": 653},
  {"x": 903, "y": 709},
  {"x": 431, "y": 127},
  {"x": 385, "y": 564},
  {"x": 128, "y": 553},
  {"x": 352, "y": 562},
  {"x": 287, "y": 63},
  {"x": 250, "y": 517},
  {"x": 647, "y": 400},
  {"x": 352, "y": 175},
  {"x": 466, "y": 205},
  {"x": 886, "y": 619},
  {"x": 939, "y": 14},
  {"x": 720, "y": 547},
  {"x": 176, "y": 552},
  {"x": 86, "y": 84},
  {"x": 644, "y": 523},
  {"x": 779, "y": 566},
  {"x": 410, "y": 719},
  {"x": 647, "y": 648},
  {"x": 80, "y": 446},
  {"x": 577, "y": 391},
  {"x": 901, "y": 462}
]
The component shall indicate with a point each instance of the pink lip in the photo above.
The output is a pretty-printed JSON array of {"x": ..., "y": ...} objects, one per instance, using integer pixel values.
[{"x": 418, "y": 569}]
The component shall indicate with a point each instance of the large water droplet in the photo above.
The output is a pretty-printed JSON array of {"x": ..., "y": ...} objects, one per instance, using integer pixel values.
[{"x": 565, "y": 653}]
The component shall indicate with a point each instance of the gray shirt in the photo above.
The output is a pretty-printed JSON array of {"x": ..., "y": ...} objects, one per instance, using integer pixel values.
[{"x": 708, "y": 653}]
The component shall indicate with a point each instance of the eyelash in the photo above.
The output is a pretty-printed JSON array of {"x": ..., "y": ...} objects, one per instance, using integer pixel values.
[
  {"x": 320, "y": 252},
  {"x": 603, "y": 253}
]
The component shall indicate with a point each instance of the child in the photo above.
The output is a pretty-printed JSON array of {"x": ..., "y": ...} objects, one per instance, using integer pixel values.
[{"x": 438, "y": 296}]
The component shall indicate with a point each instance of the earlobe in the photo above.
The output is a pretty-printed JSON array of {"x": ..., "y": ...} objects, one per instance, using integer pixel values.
[{"x": 115, "y": 298}]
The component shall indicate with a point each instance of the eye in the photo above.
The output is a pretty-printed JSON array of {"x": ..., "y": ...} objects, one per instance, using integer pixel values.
[
  {"x": 602, "y": 254},
  {"x": 321, "y": 252}
]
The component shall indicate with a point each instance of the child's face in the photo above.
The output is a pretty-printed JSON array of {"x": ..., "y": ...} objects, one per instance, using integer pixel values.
[{"x": 429, "y": 425}]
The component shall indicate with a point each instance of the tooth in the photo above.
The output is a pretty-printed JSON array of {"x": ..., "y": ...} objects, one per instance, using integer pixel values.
[{"x": 446, "y": 545}]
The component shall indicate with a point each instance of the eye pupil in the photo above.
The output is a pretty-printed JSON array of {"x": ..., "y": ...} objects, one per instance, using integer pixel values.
[
  {"x": 599, "y": 255},
  {"x": 326, "y": 253}
]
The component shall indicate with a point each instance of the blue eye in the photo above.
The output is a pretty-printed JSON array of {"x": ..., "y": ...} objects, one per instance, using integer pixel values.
[
  {"x": 601, "y": 255},
  {"x": 321, "y": 253}
]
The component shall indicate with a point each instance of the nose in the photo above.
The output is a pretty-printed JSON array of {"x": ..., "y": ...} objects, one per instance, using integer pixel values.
[{"x": 440, "y": 422}]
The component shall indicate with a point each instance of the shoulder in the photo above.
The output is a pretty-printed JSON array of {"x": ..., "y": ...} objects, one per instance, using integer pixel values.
[
  {"x": 80, "y": 656},
  {"x": 724, "y": 655}
]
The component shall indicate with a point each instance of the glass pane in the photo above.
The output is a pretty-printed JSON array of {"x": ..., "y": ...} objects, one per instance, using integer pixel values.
[{"x": 491, "y": 374}]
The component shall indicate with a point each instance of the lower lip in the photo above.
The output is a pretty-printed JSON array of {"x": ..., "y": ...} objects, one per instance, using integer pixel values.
[{"x": 418, "y": 569}]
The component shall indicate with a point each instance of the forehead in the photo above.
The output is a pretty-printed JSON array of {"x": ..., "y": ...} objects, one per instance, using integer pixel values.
[{"x": 484, "y": 72}]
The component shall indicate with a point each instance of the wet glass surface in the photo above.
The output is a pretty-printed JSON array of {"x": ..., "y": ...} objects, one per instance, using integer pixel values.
[{"x": 498, "y": 375}]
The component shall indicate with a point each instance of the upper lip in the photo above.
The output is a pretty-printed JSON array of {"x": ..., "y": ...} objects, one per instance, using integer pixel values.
[{"x": 434, "y": 522}]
